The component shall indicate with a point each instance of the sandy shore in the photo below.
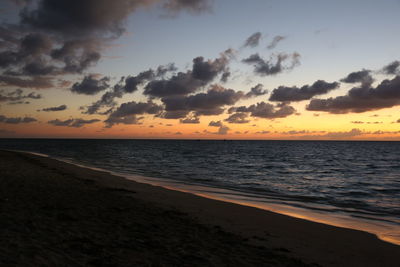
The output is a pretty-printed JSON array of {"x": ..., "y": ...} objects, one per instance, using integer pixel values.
[{"x": 57, "y": 214}]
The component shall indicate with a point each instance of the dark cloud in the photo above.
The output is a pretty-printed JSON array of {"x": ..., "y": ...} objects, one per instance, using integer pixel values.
[
  {"x": 398, "y": 121},
  {"x": 162, "y": 70},
  {"x": 210, "y": 103},
  {"x": 383, "y": 132},
  {"x": 128, "y": 120},
  {"x": 191, "y": 6},
  {"x": 75, "y": 17},
  {"x": 175, "y": 114},
  {"x": 225, "y": 76},
  {"x": 16, "y": 120},
  {"x": 283, "y": 93},
  {"x": 90, "y": 85},
  {"x": 256, "y": 91},
  {"x": 106, "y": 100},
  {"x": 363, "y": 76},
  {"x": 275, "y": 41},
  {"x": 392, "y": 68},
  {"x": 68, "y": 36},
  {"x": 77, "y": 55},
  {"x": 17, "y": 96},
  {"x": 7, "y": 58},
  {"x": 38, "y": 67},
  {"x": 263, "y": 132},
  {"x": 215, "y": 123},
  {"x": 240, "y": 117},
  {"x": 58, "y": 122},
  {"x": 26, "y": 49},
  {"x": 132, "y": 82},
  {"x": 340, "y": 135},
  {"x": 253, "y": 40},
  {"x": 223, "y": 130},
  {"x": 127, "y": 113},
  {"x": 266, "y": 110},
  {"x": 361, "y": 99},
  {"x": 237, "y": 109},
  {"x": 207, "y": 70},
  {"x": 184, "y": 83},
  {"x": 34, "y": 44},
  {"x": 18, "y": 102},
  {"x": 59, "y": 108},
  {"x": 276, "y": 64},
  {"x": 94, "y": 17},
  {"x": 36, "y": 82},
  {"x": 8, "y": 36},
  {"x": 179, "y": 84},
  {"x": 135, "y": 108},
  {"x": 40, "y": 54},
  {"x": 76, "y": 123},
  {"x": 126, "y": 85}
]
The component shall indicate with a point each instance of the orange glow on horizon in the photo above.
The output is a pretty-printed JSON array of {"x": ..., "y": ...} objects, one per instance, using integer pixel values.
[{"x": 373, "y": 125}]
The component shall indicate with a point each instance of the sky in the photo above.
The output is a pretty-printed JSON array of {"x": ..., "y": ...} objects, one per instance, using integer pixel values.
[{"x": 200, "y": 69}]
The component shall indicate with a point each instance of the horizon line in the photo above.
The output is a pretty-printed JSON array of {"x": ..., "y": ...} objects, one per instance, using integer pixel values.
[{"x": 198, "y": 139}]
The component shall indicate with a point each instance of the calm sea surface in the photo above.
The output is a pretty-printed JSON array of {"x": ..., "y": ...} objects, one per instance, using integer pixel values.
[{"x": 361, "y": 179}]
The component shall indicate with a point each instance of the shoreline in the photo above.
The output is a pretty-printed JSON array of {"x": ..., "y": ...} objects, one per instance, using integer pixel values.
[
  {"x": 310, "y": 241},
  {"x": 387, "y": 232}
]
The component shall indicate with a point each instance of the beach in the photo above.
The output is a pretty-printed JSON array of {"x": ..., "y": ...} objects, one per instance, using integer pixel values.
[{"x": 57, "y": 214}]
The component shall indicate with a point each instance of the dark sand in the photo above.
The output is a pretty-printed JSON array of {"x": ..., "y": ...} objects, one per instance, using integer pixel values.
[{"x": 57, "y": 214}]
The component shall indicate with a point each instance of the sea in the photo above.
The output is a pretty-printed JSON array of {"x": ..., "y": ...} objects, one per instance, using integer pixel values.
[{"x": 352, "y": 184}]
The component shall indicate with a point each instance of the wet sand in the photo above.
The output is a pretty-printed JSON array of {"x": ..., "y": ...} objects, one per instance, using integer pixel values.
[{"x": 57, "y": 214}]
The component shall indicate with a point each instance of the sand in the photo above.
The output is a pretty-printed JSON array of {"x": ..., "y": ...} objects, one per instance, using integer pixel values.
[{"x": 57, "y": 214}]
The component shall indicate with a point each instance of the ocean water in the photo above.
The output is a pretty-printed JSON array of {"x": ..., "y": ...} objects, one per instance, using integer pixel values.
[{"x": 358, "y": 180}]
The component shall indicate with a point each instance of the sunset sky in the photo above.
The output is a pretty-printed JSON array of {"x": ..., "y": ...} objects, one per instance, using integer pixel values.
[{"x": 200, "y": 69}]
